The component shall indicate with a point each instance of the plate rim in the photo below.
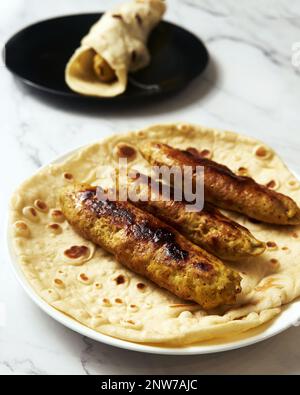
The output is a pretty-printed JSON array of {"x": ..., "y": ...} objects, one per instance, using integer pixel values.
[
  {"x": 83, "y": 330},
  {"x": 71, "y": 95}
]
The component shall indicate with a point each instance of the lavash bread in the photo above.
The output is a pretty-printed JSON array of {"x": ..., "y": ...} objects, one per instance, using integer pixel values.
[{"x": 85, "y": 283}]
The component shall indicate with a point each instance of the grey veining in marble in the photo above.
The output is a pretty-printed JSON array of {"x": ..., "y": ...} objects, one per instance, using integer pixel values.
[{"x": 250, "y": 86}]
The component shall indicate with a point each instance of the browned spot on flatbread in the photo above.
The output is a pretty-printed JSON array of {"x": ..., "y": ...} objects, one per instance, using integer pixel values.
[
  {"x": 55, "y": 228},
  {"x": 33, "y": 211},
  {"x": 261, "y": 152},
  {"x": 40, "y": 205},
  {"x": 124, "y": 150},
  {"x": 84, "y": 277},
  {"x": 76, "y": 252},
  {"x": 31, "y": 214},
  {"x": 21, "y": 225},
  {"x": 21, "y": 228},
  {"x": 271, "y": 184},
  {"x": 120, "y": 279},
  {"x": 57, "y": 215},
  {"x": 106, "y": 301},
  {"x": 58, "y": 282},
  {"x": 141, "y": 286},
  {"x": 68, "y": 176},
  {"x": 271, "y": 244}
]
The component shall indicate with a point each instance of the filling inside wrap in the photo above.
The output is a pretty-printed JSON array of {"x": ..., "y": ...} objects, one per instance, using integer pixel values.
[{"x": 115, "y": 46}]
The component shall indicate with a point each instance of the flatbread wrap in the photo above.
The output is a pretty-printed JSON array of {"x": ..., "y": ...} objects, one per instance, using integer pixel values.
[{"x": 115, "y": 46}]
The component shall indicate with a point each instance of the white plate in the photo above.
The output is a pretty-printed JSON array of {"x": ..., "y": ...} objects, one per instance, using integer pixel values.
[{"x": 289, "y": 317}]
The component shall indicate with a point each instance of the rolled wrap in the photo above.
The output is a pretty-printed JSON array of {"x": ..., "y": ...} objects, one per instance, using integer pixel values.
[{"x": 116, "y": 45}]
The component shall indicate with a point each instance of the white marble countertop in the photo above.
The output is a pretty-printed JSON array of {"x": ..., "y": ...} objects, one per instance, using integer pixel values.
[{"x": 251, "y": 86}]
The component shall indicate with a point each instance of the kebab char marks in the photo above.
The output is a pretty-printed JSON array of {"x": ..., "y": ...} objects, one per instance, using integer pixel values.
[{"x": 78, "y": 275}]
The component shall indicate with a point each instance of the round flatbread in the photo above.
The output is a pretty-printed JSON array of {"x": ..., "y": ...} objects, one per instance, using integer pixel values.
[{"x": 86, "y": 283}]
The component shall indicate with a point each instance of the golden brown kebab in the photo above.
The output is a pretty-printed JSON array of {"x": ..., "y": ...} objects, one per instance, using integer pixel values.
[
  {"x": 150, "y": 248},
  {"x": 227, "y": 190}
]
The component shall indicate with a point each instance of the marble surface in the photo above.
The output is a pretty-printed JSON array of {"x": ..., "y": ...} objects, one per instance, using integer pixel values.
[{"x": 250, "y": 86}]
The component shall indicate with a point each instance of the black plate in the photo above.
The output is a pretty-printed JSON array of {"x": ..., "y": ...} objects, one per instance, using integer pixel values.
[{"x": 39, "y": 53}]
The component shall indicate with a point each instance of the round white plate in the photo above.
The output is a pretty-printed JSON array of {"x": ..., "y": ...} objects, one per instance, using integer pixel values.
[{"x": 289, "y": 317}]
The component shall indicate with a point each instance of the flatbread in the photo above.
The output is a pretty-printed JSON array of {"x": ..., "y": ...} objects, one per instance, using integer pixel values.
[
  {"x": 101, "y": 294},
  {"x": 120, "y": 38}
]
